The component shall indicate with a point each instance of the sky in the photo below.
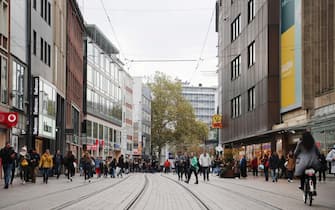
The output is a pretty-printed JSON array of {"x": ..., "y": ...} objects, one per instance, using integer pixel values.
[{"x": 164, "y": 30}]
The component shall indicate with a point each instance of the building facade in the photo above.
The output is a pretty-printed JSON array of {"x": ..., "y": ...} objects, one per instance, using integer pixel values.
[
  {"x": 102, "y": 96},
  {"x": 18, "y": 75},
  {"x": 204, "y": 103},
  {"x": 127, "y": 116},
  {"x": 248, "y": 72},
  {"x": 59, "y": 69},
  {"x": 74, "y": 76},
  {"x": 4, "y": 64},
  {"x": 142, "y": 119}
]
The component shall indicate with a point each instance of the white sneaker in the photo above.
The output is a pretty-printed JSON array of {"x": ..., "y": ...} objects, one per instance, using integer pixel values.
[{"x": 24, "y": 182}]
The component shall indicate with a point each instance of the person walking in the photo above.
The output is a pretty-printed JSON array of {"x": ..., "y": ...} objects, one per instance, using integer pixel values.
[
  {"x": 167, "y": 166},
  {"x": 193, "y": 168},
  {"x": 7, "y": 155},
  {"x": 331, "y": 159},
  {"x": 205, "y": 163},
  {"x": 282, "y": 167},
  {"x": 265, "y": 162},
  {"x": 15, "y": 165},
  {"x": 58, "y": 161},
  {"x": 23, "y": 162},
  {"x": 290, "y": 163},
  {"x": 186, "y": 165},
  {"x": 112, "y": 168},
  {"x": 243, "y": 166},
  {"x": 254, "y": 165},
  {"x": 98, "y": 167},
  {"x": 120, "y": 164},
  {"x": 68, "y": 163},
  {"x": 86, "y": 161},
  {"x": 34, "y": 161},
  {"x": 323, "y": 168},
  {"x": 274, "y": 165},
  {"x": 46, "y": 164}
]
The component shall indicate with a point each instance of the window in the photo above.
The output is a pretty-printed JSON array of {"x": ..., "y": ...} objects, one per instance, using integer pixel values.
[
  {"x": 34, "y": 41},
  {"x": 49, "y": 13},
  {"x": 251, "y": 54},
  {"x": 75, "y": 121},
  {"x": 42, "y": 51},
  {"x": 49, "y": 55},
  {"x": 88, "y": 129},
  {"x": 42, "y": 7},
  {"x": 101, "y": 131},
  {"x": 236, "y": 28},
  {"x": 235, "y": 68},
  {"x": 45, "y": 9},
  {"x": 95, "y": 130},
  {"x": 45, "y": 52},
  {"x": 251, "y": 99},
  {"x": 4, "y": 80},
  {"x": 251, "y": 10},
  {"x": 18, "y": 85},
  {"x": 34, "y": 4},
  {"x": 236, "y": 107}
]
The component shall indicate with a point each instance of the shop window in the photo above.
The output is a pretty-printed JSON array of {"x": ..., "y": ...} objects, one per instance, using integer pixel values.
[{"x": 4, "y": 80}]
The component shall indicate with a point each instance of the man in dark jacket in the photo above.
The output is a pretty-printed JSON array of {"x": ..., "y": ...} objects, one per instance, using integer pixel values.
[
  {"x": 58, "y": 161},
  {"x": 7, "y": 155},
  {"x": 34, "y": 161},
  {"x": 274, "y": 165}
]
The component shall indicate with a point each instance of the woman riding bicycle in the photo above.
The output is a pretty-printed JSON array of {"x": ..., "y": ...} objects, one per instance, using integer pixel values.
[{"x": 307, "y": 156}]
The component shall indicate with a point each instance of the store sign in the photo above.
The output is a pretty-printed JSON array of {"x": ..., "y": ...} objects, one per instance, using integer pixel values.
[
  {"x": 9, "y": 119},
  {"x": 217, "y": 121}
]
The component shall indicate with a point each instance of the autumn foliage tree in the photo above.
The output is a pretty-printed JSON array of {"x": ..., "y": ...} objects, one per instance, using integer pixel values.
[{"x": 173, "y": 119}]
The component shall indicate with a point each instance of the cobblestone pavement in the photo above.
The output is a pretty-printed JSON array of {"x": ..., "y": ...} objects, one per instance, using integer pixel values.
[{"x": 162, "y": 191}]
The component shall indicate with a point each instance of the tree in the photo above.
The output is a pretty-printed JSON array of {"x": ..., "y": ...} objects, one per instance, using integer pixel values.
[{"x": 173, "y": 119}]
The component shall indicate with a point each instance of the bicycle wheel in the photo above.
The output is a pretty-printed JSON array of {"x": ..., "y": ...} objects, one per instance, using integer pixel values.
[
  {"x": 310, "y": 198},
  {"x": 306, "y": 190}
]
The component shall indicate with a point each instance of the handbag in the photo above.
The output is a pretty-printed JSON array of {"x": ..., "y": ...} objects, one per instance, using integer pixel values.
[
  {"x": 24, "y": 162},
  {"x": 261, "y": 167},
  {"x": 285, "y": 164}
]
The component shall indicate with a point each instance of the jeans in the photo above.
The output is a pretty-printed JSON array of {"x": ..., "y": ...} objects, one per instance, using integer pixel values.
[
  {"x": 274, "y": 174},
  {"x": 45, "y": 175},
  {"x": 255, "y": 171},
  {"x": 290, "y": 174},
  {"x": 58, "y": 168},
  {"x": 205, "y": 171},
  {"x": 7, "y": 168},
  {"x": 24, "y": 173}
]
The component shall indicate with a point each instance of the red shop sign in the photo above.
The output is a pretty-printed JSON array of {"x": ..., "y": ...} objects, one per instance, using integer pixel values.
[{"x": 9, "y": 119}]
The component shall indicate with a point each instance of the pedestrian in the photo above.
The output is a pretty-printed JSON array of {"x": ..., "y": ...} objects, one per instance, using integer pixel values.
[
  {"x": 282, "y": 167},
  {"x": 34, "y": 161},
  {"x": 7, "y": 155},
  {"x": 205, "y": 163},
  {"x": 126, "y": 167},
  {"x": 58, "y": 161},
  {"x": 265, "y": 162},
  {"x": 179, "y": 167},
  {"x": 243, "y": 166},
  {"x": 23, "y": 163},
  {"x": 193, "y": 168},
  {"x": 112, "y": 168},
  {"x": 97, "y": 167},
  {"x": 274, "y": 165},
  {"x": 86, "y": 161},
  {"x": 290, "y": 163},
  {"x": 120, "y": 164},
  {"x": 105, "y": 168},
  {"x": 254, "y": 165},
  {"x": 46, "y": 164},
  {"x": 68, "y": 163},
  {"x": 186, "y": 165},
  {"x": 323, "y": 168},
  {"x": 167, "y": 166},
  {"x": 15, "y": 165},
  {"x": 331, "y": 159},
  {"x": 236, "y": 169}
]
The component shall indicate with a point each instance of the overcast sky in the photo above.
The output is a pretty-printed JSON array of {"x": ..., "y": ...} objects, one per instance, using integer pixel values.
[{"x": 160, "y": 29}]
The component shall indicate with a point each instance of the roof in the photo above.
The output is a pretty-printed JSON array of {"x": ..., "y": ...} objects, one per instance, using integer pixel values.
[{"x": 100, "y": 39}]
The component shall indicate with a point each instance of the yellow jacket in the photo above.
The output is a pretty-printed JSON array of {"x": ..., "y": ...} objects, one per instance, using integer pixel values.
[{"x": 46, "y": 161}]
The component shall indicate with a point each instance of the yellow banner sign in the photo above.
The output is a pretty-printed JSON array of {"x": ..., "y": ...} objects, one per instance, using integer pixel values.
[{"x": 217, "y": 121}]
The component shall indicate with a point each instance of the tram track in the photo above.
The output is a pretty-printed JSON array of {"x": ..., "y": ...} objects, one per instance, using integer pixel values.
[
  {"x": 83, "y": 197},
  {"x": 203, "y": 205},
  {"x": 48, "y": 194},
  {"x": 137, "y": 197},
  {"x": 248, "y": 197}
]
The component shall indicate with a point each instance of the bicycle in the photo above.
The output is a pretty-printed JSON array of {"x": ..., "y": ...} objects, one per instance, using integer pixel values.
[{"x": 309, "y": 188}]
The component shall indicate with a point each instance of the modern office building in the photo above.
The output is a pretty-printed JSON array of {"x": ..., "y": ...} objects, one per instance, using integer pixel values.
[
  {"x": 204, "y": 103},
  {"x": 248, "y": 52},
  {"x": 142, "y": 119},
  {"x": 102, "y": 95}
]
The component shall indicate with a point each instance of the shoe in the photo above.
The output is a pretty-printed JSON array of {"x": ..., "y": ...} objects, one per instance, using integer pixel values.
[
  {"x": 314, "y": 193},
  {"x": 301, "y": 188},
  {"x": 71, "y": 179},
  {"x": 186, "y": 182},
  {"x": 276, "y": 180},
  {"x": 24, "y": 182},
  {"x": 196, "y": 182},
  {"x": 6, "y": 187},
  {"x": 273, "y": 180}
]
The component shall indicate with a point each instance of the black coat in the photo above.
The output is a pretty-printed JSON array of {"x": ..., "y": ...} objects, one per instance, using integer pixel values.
[
  {"x": 274, "y": 162},
  {"x": 7, "y": 155}
]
